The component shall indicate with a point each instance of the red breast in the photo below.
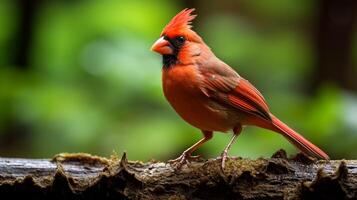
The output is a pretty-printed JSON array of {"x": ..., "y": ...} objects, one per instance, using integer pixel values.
[{"x": 181, "y": 85}]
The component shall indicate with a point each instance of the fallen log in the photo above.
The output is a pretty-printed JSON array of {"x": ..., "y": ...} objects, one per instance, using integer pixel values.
[{"x": 83, "y": 176}]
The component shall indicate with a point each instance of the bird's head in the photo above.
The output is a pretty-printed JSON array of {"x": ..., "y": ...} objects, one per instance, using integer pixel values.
[{"x": 178, "y": 42}]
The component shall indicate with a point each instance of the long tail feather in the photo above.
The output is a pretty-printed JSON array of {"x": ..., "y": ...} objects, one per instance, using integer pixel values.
[{"x": 299, "y": 141}]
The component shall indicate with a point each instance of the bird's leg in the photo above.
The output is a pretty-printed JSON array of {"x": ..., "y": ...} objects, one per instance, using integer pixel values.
[
  {"x": 236, "y": 131},
  {"x": 186, "y": 155}
]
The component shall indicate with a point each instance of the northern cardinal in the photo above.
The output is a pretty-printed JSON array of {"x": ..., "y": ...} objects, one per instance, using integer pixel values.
[{"x": 209, "y": 94}]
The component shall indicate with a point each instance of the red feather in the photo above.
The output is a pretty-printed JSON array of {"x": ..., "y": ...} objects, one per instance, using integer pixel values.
[
  {"x": 298, "y": 140},
  {"x": 228, "y": 87},
  {"x": 246, "y": 96},
  {"x": 180, "y": 23}
]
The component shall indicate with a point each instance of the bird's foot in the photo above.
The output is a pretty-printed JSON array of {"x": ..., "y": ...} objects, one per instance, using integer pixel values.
[
  {"x": 185, "y": 158},
  {"x": 224, "y": 156}
]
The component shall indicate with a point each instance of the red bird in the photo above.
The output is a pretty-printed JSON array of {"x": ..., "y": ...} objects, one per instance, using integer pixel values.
[{"x": 209, "y": 94}]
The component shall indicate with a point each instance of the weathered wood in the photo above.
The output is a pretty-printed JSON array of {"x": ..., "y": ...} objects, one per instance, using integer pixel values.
[{"x": 82, "y": 176}]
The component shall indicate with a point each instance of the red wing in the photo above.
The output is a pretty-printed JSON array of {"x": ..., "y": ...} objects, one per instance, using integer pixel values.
[
  {"x": 245, "y": 95},
  {"x": 231, "y": 89}
]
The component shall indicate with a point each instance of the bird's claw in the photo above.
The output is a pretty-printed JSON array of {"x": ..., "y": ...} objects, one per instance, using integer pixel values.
[{"x": 185, "y": 158}]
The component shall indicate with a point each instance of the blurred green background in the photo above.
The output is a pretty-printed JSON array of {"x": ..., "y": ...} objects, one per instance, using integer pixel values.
[{"x": 78, "y": 76}]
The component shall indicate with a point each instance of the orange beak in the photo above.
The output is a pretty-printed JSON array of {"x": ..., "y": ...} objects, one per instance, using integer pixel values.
[{"x": 162, "y": 47}]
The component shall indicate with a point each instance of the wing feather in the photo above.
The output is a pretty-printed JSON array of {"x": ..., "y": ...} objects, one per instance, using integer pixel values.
[{"x": 223, "y": 84}]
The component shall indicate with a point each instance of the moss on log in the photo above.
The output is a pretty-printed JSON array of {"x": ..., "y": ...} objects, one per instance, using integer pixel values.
[{"x": 83, "y": 176}]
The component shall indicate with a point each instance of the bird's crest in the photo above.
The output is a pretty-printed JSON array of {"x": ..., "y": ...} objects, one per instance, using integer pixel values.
[{"x": 180, "y": 23}]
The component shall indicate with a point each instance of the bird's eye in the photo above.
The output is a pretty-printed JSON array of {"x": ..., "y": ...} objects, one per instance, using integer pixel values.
[{"x": 180, "y": 39}]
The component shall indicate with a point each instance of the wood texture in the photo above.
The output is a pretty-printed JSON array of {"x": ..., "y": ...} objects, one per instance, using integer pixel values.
[{"x": 82, "y": 176}]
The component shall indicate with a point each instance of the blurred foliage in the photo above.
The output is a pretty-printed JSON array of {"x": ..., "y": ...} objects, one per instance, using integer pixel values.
[{"x": 93, "y": 85}]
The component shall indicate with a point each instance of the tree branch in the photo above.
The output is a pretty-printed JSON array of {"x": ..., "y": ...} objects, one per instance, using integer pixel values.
[{"x": 82, "y": 176}]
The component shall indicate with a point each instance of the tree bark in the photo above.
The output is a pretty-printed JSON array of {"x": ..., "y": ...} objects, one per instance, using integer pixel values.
[{"x": 82, "y": 176}]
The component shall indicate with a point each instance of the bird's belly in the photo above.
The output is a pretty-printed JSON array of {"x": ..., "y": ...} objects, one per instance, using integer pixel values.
[
  {"x": 203, "y": 114},
  {"x": 194, "y": 107}
]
